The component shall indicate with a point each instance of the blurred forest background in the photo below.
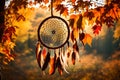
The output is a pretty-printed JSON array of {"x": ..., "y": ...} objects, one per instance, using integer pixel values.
[{"x": 101, "y": 61}]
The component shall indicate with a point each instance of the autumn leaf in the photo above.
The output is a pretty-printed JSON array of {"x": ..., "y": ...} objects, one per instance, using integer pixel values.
[
  {"x": 87, "y": 39},
  {"x": 72, "y": 36},
  {"x": 109, "y": 21},
  {"x": 96, "y": 28},
  {"x": 20, "y": 17},
  {"x": 65, "y": 12},
  {"x": 6, "y": 37},
  {"x": 73, "y": 57},
  {"x": 45, "y": 1},
  {"x": 71, "y": 22},
  {"x": 73, "y": 1},
  {"x": 79, "y": 22},
  {"x": 59, "y": 7},
  {"x": 76, "y": 33},
  {"x": 81, "y": 36},
  {"x": 75, "y": 47},
  {"x": 39, "y": 0},
  {"x": 90, "y": 15}
]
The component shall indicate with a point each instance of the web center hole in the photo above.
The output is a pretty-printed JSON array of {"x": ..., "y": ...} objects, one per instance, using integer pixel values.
[{"x": 53, "y": 31}]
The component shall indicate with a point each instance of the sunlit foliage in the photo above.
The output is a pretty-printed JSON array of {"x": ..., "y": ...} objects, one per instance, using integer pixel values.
[{"x": 18, "y": 17}]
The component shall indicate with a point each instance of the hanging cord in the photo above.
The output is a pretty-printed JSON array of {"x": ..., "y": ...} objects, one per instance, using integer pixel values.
[{"x": 51, "y": 7}]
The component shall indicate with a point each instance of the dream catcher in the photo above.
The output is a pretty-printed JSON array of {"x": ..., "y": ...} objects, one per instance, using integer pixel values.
[{"x": 52, "y": 48}]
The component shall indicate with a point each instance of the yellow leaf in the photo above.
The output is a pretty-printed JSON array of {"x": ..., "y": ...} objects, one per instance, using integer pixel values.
[{"x": 87, "y": 39}]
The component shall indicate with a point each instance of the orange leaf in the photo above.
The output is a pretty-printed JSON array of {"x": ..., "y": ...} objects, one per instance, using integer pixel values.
[
  {"x": 20, "y": 17},
  {"x": 73, "y": 1},
  {"x": 76, "y": 33},
  {"x": 46, "y": 1},
  {"x": 87, "y": 39},
  {"x": 65, "y": 12}
]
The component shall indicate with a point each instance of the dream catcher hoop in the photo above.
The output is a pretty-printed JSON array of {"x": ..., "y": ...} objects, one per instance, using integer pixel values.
[{"x": 53, "y": 32}]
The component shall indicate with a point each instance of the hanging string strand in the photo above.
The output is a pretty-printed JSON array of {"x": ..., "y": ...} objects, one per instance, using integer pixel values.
[{"x": 51, "y": 7}]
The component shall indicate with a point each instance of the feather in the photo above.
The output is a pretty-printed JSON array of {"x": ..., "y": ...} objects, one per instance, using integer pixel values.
[
  {"x": 47, "y": 60},
  {"x": 68, "y": 54},
  {"x": 63, "y": 60},
  {"x": 52, "y": 65},
  {"x": 37, "y": 49},
  {"x": 73, "y": 58},
  {"x": 44, "y": 53},
  {"x": 59, "y": 66},
  {"x": 43, "y": 56},
  {"x": 39, "y": 59}
]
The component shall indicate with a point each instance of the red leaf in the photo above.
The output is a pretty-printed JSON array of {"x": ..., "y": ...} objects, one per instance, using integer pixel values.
[
  {"x": 73, "y": 1},
  {"x": 63, "y": 10},
  {"x": 90, "y": 15},
  {"x": 109, "y": 21},
  {"x": 81, "y": 36},
  {"x": 10, "y": 31},
  {"x": 96, "y": 28}
]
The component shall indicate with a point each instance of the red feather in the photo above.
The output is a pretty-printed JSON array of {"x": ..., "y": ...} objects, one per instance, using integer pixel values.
[
  {"x": 44, "y": 53},
  {"x": 47, "y": 60},
  {"x": 52, "y": 65}
]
